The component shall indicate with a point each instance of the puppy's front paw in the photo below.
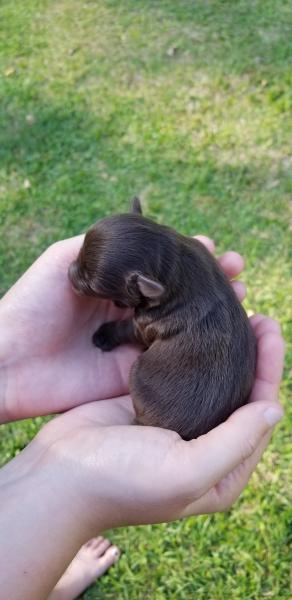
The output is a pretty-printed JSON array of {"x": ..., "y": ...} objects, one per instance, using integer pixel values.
[{"x": 103, "y": 338}]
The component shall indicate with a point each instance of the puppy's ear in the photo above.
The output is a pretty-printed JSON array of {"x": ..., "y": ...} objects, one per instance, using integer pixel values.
[
  {"x": 138, "y": 285},
  {"x": 136, "y": 206},
  {"x": 149, "y": 287}
]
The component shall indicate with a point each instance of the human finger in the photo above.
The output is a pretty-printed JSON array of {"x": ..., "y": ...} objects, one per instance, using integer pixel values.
[
  {"x": 211, "y": 457},
  {"x": 223, "y": 495},
  {"x": 269, "y": 369},
  {"x": 262, "y": 325},
  {"x": 240, "y": 289},
  {"x": 232, "y": 263},
  {"x": 208, "y": 243}
]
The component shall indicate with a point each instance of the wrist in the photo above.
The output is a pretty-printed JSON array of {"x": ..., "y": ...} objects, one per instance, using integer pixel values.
[
  {"x": 7, "y": 345},
  {"x": 44, "y": 478},
  {"x": 80, "y": 475},
  {"x": 6, "y": 356},
  {"x": 13, "y": 350},
  {"x": 42, "y": 514}
]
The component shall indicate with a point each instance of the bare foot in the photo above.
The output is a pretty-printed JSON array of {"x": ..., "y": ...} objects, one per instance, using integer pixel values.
[{"x": 92, "y": 560}]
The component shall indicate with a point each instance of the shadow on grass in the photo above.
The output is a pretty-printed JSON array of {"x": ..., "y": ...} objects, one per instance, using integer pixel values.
[
  {"x": 79, "y": 172},
  {"x": 72, "y": 158},
  {"x": 68, "y": 167}
]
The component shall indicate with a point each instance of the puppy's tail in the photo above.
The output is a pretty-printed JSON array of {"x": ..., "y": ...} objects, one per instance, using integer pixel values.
[{"x": 136, "y": 206}]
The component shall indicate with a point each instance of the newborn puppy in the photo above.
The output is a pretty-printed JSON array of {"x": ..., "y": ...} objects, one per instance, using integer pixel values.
[{"x": 200, "y": 353}]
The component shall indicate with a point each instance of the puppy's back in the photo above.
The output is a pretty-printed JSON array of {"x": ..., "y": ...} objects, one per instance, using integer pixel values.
[{"x": 193, "y": 379}]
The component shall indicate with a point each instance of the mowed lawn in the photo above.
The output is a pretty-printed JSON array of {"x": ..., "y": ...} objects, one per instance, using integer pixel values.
[{"x": 187, "y": 105}]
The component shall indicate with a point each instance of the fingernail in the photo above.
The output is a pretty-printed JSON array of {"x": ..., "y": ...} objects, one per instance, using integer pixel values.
[{"x": 273, "y": 415}]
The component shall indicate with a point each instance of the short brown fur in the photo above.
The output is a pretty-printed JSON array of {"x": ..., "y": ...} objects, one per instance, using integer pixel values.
[{"x": 199, "y": 354}]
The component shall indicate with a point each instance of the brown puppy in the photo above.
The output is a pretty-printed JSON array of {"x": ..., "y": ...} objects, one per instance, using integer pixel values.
[{"x": 200, "y": 352}]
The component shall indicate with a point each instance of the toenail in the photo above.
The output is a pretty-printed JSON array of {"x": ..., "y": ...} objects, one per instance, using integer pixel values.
[{"x": 115, "y": 552}]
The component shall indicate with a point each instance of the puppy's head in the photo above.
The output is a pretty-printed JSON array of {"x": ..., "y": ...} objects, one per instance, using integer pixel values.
[{"x": 124, "y": 258}]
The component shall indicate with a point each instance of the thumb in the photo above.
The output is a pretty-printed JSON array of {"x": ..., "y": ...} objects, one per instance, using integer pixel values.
[{"x": 212, "y": 456}]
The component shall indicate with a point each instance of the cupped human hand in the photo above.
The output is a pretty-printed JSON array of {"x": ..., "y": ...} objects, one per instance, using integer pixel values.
[
  {"x": 50, "y": 363},
  {"x": 47, "y": 361},
  {"x": 89, "y": 469},
  {"x": 127, "y": 474}
]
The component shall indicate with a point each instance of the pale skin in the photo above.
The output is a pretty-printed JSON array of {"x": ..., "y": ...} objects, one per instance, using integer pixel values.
[{"x": 89, "y": 469}]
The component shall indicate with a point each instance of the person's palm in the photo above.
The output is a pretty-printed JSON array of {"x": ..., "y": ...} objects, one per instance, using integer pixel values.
[
  {"x": 55, "y": 366},
  {"x": 51, "y": 363},
  {"x": 154, "y": 475}
]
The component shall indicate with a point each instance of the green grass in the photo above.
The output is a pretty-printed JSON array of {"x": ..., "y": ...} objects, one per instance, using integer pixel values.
[{"x": 186, "y": 104}]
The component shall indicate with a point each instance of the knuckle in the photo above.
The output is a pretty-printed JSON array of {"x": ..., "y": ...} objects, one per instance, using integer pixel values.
[
  {"x": 248, "y": 448},
  {"x": 226, "y": 506},
  {"x": 274, "y": 325}
]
